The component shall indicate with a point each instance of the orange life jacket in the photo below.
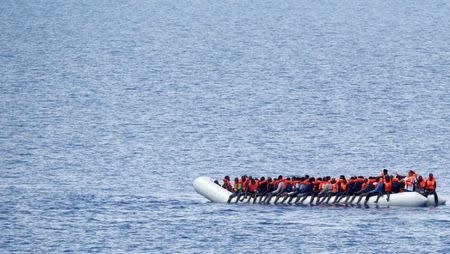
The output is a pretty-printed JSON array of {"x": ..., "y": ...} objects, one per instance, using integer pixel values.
[
  {"x": 334, "y": 188},
  {"x": 430, "y": 184},
  {"x": 343, "y": 186},
  {"x": 387, "y": 186},
  {"x": 422, "y": 184},
  {"x": 369, "y": 182},
  {"x": 409, "y": 181},
  {"x": 286, "y": 183}
]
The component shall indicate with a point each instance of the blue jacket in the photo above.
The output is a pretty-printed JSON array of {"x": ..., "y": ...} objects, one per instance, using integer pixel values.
[{"x": 379, "y": 188}]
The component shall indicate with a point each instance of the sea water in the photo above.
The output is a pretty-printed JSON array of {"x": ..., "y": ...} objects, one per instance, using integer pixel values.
[{"x": 110, "y": 109}]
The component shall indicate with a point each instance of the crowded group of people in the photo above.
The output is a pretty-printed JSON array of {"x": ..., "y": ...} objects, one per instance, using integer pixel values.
[{"x": 295, "y": 189}]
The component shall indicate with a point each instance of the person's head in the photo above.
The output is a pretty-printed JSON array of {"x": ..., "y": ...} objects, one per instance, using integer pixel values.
[
  {"x": 319, "y": 179},
  {"x": 227, "y": 177},
  {"x": 253, "y": 181},
  {"x": 385, "y": 171},
  {"x": 250, "y": 177},
  {"x": 262, "y": 178},
  {"x": 333, "y": 180},
  {"x": 430, "y": 176},
  {"x": 306, "y": 176},
  {"x": 236, "y": 179},
  {"x": 269, "y": 179},
  {"x": 312, "y": 179},
  {"x": 419, "y": 178},
  {"x": 377, "y": 179},
  {"x": 280, "y": 177},
  {"x": 288, "y": 178}
]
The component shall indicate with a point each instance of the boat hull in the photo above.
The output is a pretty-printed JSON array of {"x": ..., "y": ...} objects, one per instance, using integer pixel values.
[{"x": 206, "y": 187}]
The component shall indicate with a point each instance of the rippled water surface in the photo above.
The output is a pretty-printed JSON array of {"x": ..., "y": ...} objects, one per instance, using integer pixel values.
[{"x": 109, "y": 110}]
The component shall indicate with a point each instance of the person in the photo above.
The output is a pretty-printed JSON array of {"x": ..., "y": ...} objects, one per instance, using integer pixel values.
[
  {"x": 430, "y": 188},
  {"x": 397, "y": 184},
  {"x": 227, "y": 184},
  {"x": 327, "y": 196},
  {"x": 237, "y": 191},
  {"x": 252, "y": 189},
  {"x": 270, "y": 188},
  {"x": 308, "y": 190},
  {"x": 387, "y": 188},
  {"x": 409, "y": 181},
  {"x": 354, "y": 185},
  {"x": 285, "y": 190},
  {"x": 278, "y": 188},
  {"x": 326, "y": 189},
  {"x": 421, "y": 184},
  {"x": 262, "y": 189},
  {"x": 367, "y": 187},
  {"x": 384, "y": 173},
  {"x": 379, "y": 187},
  {"x": 245, "y": 181},
  {"x": 341, "y": 188},
  {"x": 298, "y": 186}
]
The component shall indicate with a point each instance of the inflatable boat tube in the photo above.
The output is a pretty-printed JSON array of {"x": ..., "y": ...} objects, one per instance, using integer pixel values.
[{"x": 206, "y": 187}]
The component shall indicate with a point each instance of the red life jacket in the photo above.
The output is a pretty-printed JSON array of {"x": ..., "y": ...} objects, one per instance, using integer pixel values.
[
  {"x": 262, "y": 182},
  {"x": 430, "y": 184},
  {"x": 252, "y": 187},
  {"x": 227, "y": 184},
  {"x": 275, "y": 183},
  {"x": 316, "y": 185},
  {"x": 320, "y": 185},
  {"x": 387, "y": 186},
  {"x": 245, "y": 183}
]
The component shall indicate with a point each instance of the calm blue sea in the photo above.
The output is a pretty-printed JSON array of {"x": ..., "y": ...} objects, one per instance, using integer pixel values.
[{"x": 110, "y": 109}]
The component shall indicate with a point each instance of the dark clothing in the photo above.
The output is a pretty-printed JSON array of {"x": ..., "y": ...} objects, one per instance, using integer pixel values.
[
  {"x": 432, "y": 192},
  {"x": 396, "y": 186}
]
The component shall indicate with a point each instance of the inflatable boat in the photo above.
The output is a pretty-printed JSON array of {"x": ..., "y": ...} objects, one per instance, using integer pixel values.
[{"x": 206, "y": 187}]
